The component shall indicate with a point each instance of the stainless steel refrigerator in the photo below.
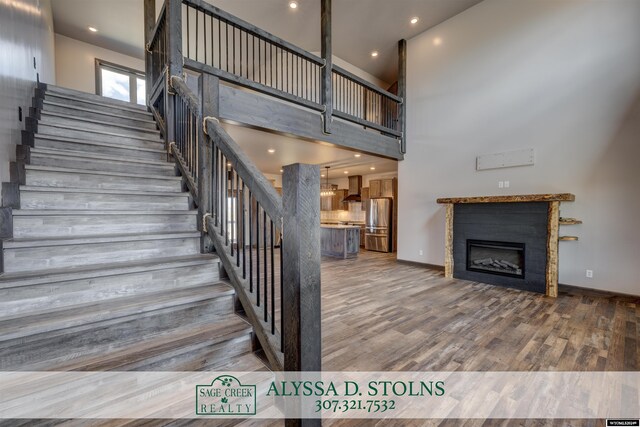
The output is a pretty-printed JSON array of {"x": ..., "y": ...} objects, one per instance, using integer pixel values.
[{"x": 377, "y": 231}]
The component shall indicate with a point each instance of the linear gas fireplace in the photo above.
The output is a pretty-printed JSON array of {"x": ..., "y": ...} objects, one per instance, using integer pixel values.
[{"x": 502, "y": 258}]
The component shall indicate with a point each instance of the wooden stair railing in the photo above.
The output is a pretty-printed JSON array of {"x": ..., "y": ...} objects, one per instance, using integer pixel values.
[{"x": 269, "y": 246}]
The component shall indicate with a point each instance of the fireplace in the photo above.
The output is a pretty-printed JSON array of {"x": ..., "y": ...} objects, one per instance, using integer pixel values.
[{"x": 501, "y": 258}]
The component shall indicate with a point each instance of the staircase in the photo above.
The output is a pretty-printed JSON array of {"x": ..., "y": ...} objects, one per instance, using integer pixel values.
[{"x": 104, "y": 270}]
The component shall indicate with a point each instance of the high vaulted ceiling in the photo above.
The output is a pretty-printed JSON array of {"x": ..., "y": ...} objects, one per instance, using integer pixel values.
[{"x": 359, "y": 26}]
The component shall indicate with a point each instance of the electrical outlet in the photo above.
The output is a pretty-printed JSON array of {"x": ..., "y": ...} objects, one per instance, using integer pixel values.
[
  {"x": 420, "y": 251},
  {"x": 590, "y": 274},
  {"x": 500, "y": 184},
  {"x": 506, "y": 184}
]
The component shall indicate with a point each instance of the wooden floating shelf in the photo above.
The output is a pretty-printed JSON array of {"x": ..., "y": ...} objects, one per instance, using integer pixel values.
[
  {"x": 570, "y": 221},
  {"x": 568, "y": 238}
]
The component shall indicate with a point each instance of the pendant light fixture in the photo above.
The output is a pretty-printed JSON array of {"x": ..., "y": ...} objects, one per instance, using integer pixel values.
[{"x": 326, "y": 189}]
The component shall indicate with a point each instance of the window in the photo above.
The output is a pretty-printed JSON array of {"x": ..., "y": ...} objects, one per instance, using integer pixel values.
[{"x": 118, "y": 82}]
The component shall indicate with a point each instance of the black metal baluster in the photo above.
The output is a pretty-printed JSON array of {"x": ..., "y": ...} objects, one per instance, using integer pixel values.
[
  {"x": 225, "y": 195},
  {"x": 240, "y": 42},
  {"x": 258, "y": 253},
  {"x": 230, "y": 231},
  {"x": 264, "y": 248},
  {"x": 281, "y": 293},
  {"x": 237, "y": 220},
  {"x": 250, "y": 242},
  {"x": 244, "y": 243},
  {"x": 273, "y": 284},
  {"x": 259, "y": 61},
  {"x": 214, "y": 187}
]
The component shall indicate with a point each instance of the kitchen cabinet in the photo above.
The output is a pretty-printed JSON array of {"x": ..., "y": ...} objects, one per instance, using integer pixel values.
[
  {"x": 382, "y": 188},
  {"x": 375, "y": 188}
]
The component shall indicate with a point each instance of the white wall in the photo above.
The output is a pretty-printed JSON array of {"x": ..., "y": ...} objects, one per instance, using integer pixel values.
[
  {"x": 26, "y": 32},
  {"x": 75, "y": 63},
  {"x": 562, "y": 77}
]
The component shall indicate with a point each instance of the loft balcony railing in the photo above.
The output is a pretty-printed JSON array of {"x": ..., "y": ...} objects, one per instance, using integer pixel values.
[{"x": 209, "y": 40}]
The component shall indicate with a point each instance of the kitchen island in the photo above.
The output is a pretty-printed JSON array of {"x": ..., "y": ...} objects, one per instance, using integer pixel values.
[{"x": 339, "y": 241}]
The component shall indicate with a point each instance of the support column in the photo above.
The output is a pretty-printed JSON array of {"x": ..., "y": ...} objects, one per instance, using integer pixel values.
[
  {"x": 301, "y": 273},
  {"x": 327, "y": 55},
  {"x": 149, "y": 25},
  {"x": 402, "y": 93}
]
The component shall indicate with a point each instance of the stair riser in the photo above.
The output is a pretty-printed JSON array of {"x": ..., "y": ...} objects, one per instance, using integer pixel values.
[
  {"x": 190, "y": 360},
  {"x": 107, "y": 182},
  {"x": 132, "y": 152},
  {"x": 64, "y": 345},
  {"x": 91, "y": 115},
  {"x": 123, "y": 138},
  {"x": 101, "y": 165},
  {"x": 77, "y": 102},
  {"x": 88, "y": 225},
  {"x": 100, "y": 127},
  {"x": 46, "y": 257},
  {"x": 97, "y": 201},
  {"x": 15, "y": 302}
]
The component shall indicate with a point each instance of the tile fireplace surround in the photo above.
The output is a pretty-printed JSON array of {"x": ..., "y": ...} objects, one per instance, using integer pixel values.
[{"x": 499, "y": 223}]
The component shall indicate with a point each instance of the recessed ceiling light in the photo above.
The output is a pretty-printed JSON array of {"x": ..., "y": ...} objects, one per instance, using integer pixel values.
[
  {"x": 374, "y": 53},
  {"x": 346, "y": 172},
  {"x": 437, "y": 41},
  {"x": 229, "y": 164},
  {"x": 93, "y": 29},
  {"x": 357, "y": 155},
  {"x": 372, "y": 168},
  {"x": 281, "y": 170},
  {"x": 414, "y": 20},
  {"x": 293, "y": 4},
  {"x": 271, "y": 150},
  {"x": 322, "y": 176}
]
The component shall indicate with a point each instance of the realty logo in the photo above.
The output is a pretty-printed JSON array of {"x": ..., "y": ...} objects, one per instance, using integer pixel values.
[{"x": 225, "y": 396}]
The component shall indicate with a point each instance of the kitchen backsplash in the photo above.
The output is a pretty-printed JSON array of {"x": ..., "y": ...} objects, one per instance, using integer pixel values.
[{"x": 354, "y": 214}]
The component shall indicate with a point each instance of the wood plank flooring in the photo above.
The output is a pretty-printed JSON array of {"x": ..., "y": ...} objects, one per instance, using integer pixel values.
[{"x": 378, "y": 314}]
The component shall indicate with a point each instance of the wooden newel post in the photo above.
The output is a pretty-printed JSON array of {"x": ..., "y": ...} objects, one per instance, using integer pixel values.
[
  {"x": 402, "y": 93},
  {"x": 301, "y": 273},
  {"x": 149, "y": 25},
  {"x": 327, "y": 55},
  {"x": 174, "y": 58},
  {"x": 208, "y": 90}
]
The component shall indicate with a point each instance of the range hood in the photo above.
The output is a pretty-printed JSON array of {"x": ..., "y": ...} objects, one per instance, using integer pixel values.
[{"x": 355, "y": 188}]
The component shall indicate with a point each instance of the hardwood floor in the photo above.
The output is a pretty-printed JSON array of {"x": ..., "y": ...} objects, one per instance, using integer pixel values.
[{"x": 378, "y": 314}]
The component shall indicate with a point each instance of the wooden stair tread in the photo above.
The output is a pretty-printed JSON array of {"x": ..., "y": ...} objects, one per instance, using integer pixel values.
[
  {"x": 55, "y": 152},
  {"x": 160, "y": 149},
  {"x": 81, "y": 109},
  {"x": 80, "y": 120},
  {"x": 71, "y": 212},
  {"x": 88, "y": 314},
  {"x": 92, "y": 98},
  {"x": 127, "y": 136},
  {"x": 184, "y": 339},
  {"x": 95, "y": 172},
  {"x": 103, "y": 191},
  {"x": 48, "y": 241},
  {"x": 567, "y": 238}
]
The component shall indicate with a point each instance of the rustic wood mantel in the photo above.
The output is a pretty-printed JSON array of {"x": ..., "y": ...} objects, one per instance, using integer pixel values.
[{"x": 553, "y": 224}]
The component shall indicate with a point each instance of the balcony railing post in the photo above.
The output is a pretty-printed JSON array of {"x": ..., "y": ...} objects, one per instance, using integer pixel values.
[
  {"x": 402, "y": 93},
  {"x": 327, "y": 55},
  {"x": 208, "y": 89},
  {"x": 174, "y": 58},
  {"x": 149, "y": 25}
]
